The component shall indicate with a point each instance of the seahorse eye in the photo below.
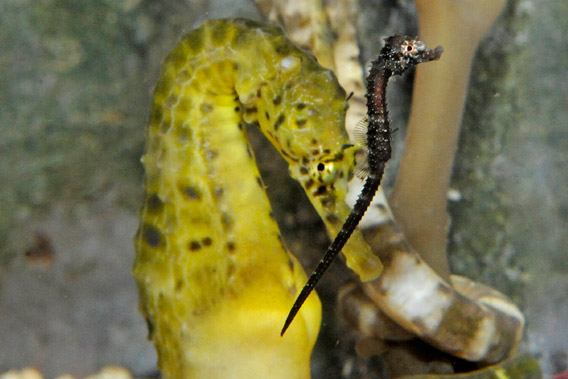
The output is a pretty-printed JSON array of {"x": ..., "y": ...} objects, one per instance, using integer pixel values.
[
  {"x": 408, "y": 48},
  {"x": 324, "y": 172}
]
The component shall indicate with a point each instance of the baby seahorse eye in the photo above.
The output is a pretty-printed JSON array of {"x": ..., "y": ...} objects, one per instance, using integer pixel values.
[
  {"x": 324, "y": 171},
  {"x": 411, "y": 48},
  {"x": 408, "y": 48}
]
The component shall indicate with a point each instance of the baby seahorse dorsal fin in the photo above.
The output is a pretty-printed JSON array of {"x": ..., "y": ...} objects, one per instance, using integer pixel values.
[
  {"x": 362, "y": 155},
  {"x": 360, "y": 131},
  {"x": 362, "y": 166}
]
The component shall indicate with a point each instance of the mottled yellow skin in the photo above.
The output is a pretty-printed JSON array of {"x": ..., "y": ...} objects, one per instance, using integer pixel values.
[{"x": 216, "y": 282}]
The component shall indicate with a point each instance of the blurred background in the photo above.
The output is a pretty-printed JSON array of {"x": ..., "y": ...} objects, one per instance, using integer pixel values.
[{"x": 76, "y": 78}]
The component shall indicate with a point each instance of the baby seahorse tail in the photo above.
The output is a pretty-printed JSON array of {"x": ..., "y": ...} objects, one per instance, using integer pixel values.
[{"x": 215, "y": 279}]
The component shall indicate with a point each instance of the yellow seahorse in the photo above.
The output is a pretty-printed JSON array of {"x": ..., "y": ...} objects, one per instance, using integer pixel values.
[{"x": 215, "y": 279}]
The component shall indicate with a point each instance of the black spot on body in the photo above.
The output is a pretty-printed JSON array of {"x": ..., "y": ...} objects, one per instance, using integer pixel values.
[
  {"x": 322, "y": 190},
  {"x": 259, "y": 182},
  {"x": 279, "y": 121},
  {"x": 190, "y": 192},
  {"x": 277, "y": 100},
  {"x": 240, "y": 126},
  {"x": 207, "y": 241},
  {"x": 179, "y": 285},
  {"x": 154, "y": 203},
  {"x": 238, "y": 109},
  {"x": 231, "y": 246},
  {"x": 251, "y": 110},
  {"x": 332, "y": 218},
  {"x": 309, "y": 184},
  {"x": 194, "y": 245},
  {"x": 157, "y": 114},
  {"x": 151, "y": 235},
  {"x": 267, "y": 115},
  {"x": 301, "y": 123},
  {"x": 301, "y": 106},
  {"x": 304, "y": 170}
]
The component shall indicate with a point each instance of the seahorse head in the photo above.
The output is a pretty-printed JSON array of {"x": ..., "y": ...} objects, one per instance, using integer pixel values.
[
  {"x": 325, "y": 176},
  {"x": 308, "y": 128},
  {"x": 300, "y": 107},
  {"x": 402, "y": 52}
]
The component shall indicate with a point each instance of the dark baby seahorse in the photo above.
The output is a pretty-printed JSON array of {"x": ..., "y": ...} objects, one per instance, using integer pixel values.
[{"x": 398, "y": 55}]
